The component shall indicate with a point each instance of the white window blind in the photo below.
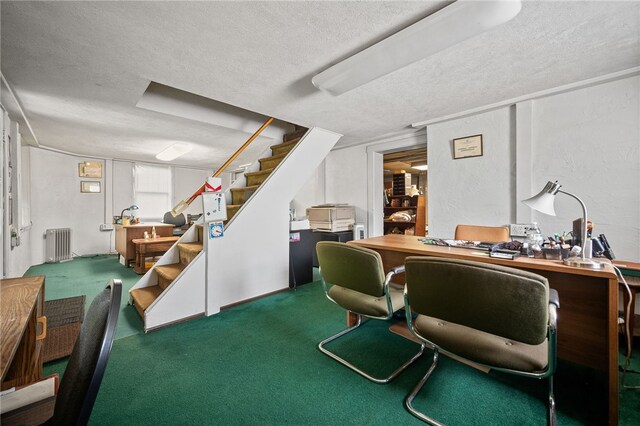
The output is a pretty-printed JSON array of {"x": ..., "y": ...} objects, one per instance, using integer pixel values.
[{"x": 152, "y": 191}]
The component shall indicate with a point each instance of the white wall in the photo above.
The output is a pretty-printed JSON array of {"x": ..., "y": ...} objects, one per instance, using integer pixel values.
[
  {"x": 587, "y": 139},
  {"x": 15, "y": 260},
  {"x": 350, "y": 177},
  {"x": 345, "y": 181},
  {"x": 312, "y": 192},
  {"x": 56, "y": 200},
  {"x": 475, "y": 190}
]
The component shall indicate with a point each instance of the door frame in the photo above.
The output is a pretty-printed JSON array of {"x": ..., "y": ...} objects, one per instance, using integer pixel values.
[{"x": 375, "y": 175}]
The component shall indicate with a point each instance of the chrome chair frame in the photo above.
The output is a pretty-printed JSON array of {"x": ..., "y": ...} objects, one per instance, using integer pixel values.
[
  {"x": 321, "y": 345},
  {"x": 548, "y": 373}
]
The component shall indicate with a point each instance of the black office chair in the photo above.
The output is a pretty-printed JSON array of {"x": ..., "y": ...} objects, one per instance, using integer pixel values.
[
  {"x": 82, "y": 377},
  {"x": 358, "y": 284},
  {"x": 499, "y": 317}
]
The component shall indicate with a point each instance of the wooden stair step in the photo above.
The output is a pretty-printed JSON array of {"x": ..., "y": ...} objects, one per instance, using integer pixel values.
[
  {"x": 283, "y": 148},
  {"x": 232, "y": 209},
  {"x": 256, "y": 178},
  {"x": 294, "y": 135},
  {"x": 144, "y": 297},
  {"x": 245, "y": 188},
  {"x": 270, "y": 162},
  {"x": 188, "y": 251},
  {"x": 168, "y": 273},
  {"x": 242, "y": 194}
]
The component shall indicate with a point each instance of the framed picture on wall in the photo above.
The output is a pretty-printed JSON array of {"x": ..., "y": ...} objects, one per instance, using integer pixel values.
[
  {"x": 90, "y": 169},
  {"x": 90, "y": 186},
  {"x": 469, "y": 146}
]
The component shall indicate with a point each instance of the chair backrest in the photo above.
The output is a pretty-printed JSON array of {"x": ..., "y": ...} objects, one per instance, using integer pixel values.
[
  {"x": 355, "y": 268},
  {"x": 495, "y": 299},
  {"x": 83, "y": 374},
  {"x": 177, "y": 221},
  {"x": 489, "y": 234}
]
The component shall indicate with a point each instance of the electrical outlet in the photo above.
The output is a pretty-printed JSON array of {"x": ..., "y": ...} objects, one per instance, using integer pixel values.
[
  {"x": 106, "y": 227},
  {"x": 518, "y": 230}
]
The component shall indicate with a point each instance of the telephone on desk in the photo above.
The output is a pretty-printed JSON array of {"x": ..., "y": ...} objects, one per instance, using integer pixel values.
[{"x": 600, "y": 247}]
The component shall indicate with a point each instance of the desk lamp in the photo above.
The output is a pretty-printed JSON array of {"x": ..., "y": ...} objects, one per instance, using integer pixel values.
[
  {"x": 543, "y": 202},
  {"x": 132, "y": 207}
]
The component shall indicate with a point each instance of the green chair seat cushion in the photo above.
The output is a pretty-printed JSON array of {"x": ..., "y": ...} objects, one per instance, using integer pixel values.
[
  {"x": 364, "y": 304},
  {"x": 481, "y": 347}
]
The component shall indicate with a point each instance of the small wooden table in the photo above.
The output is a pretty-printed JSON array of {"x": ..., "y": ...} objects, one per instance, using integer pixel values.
[
  {"x": 126, "y": 233},
  {"x": 147, "y": 247},
  {"x": 21, "y": 310}
]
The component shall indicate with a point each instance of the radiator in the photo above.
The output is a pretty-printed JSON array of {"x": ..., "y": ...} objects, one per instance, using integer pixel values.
[{"x": 58, "y": 245}]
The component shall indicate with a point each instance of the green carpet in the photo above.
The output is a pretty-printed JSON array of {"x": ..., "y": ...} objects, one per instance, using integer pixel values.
[
  {"x": 258, "y": 363},
  {"x": 88, "y": 276}
]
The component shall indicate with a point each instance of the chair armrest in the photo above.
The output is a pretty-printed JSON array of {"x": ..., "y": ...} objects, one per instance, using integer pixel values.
[
  {"x": 398, "y": 270},
  {"x": 554, "y": 298},
  {"x": 394, "y": 271},
  {"x": 554, "y": 304}
]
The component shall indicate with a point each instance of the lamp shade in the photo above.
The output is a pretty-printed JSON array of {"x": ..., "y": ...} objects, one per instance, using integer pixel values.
[{"x": 543, "y": 201}]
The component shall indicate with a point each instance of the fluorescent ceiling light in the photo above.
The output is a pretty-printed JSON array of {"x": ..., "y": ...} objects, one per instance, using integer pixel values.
[
  {"x": 421, "y": 167},
  {"x": 174, "y": 151},
  {"x": 447, "y": 27}
]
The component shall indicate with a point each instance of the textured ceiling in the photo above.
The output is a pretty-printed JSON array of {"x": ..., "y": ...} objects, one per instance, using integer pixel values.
[{"x": 79, "y": 68}]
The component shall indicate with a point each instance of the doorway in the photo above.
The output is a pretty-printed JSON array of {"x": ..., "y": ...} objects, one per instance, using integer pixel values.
[{"x": 405, "y": 192}]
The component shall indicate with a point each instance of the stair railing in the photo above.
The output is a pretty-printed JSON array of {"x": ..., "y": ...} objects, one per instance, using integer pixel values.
[{"x": 182, "y": 205}]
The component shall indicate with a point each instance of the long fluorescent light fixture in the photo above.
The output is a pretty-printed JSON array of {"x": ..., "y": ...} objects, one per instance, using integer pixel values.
[
  {"x": 448, "y": 26},
  {"x": 174, "y": 151}
]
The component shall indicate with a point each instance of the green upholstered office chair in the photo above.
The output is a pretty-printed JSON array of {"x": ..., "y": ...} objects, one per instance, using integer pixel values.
[
  {"x": 499, "y": 317},
  {"x": 358, "y": 284}
]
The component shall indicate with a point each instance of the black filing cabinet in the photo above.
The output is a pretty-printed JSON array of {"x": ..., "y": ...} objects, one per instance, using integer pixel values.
[
  {"x": 341, "y": 237},
  {"x": 301, "y": 246}
]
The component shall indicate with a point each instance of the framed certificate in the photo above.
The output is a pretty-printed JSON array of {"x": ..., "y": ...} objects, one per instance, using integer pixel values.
[
  {"x": 90, "y": 186},
  {"x": 469, "y": 146},
  {"x": 90, "y": 169}
]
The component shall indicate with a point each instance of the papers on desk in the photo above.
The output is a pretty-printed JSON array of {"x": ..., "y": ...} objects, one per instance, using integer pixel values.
[
  {"x": 457, "y": 243},
  {"x": 496, "y": 250}
]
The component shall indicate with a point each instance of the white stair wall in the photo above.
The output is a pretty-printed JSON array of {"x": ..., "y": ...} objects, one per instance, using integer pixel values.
[
  {"x": 252, "y": 259},
  {"x": 183, "y": 299}
]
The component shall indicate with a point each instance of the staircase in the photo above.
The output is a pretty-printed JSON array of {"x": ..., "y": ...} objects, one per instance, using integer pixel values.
[
  {"x": 240, "y": 195},
  {"x": 182, "y": 266},
  {"x": 142, "y": 298}
]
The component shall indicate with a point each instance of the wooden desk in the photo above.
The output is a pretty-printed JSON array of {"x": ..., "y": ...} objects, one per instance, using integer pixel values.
[
  {"x": 125, "y": 234},
  {"x": 588, "y": 314},
  {"x": 147, "y": 247},
  {"x": 22, "y": 306}
]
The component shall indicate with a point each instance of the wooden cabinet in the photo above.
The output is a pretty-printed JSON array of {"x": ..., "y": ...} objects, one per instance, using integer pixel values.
[
  {"x": 404, "y": 203},
  {"x": 125, "y": 234},
  {"x": 22, "y": 311}
]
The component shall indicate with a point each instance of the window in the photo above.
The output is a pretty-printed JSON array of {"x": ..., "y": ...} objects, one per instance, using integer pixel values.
[{"x": 152, "y": 191}]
